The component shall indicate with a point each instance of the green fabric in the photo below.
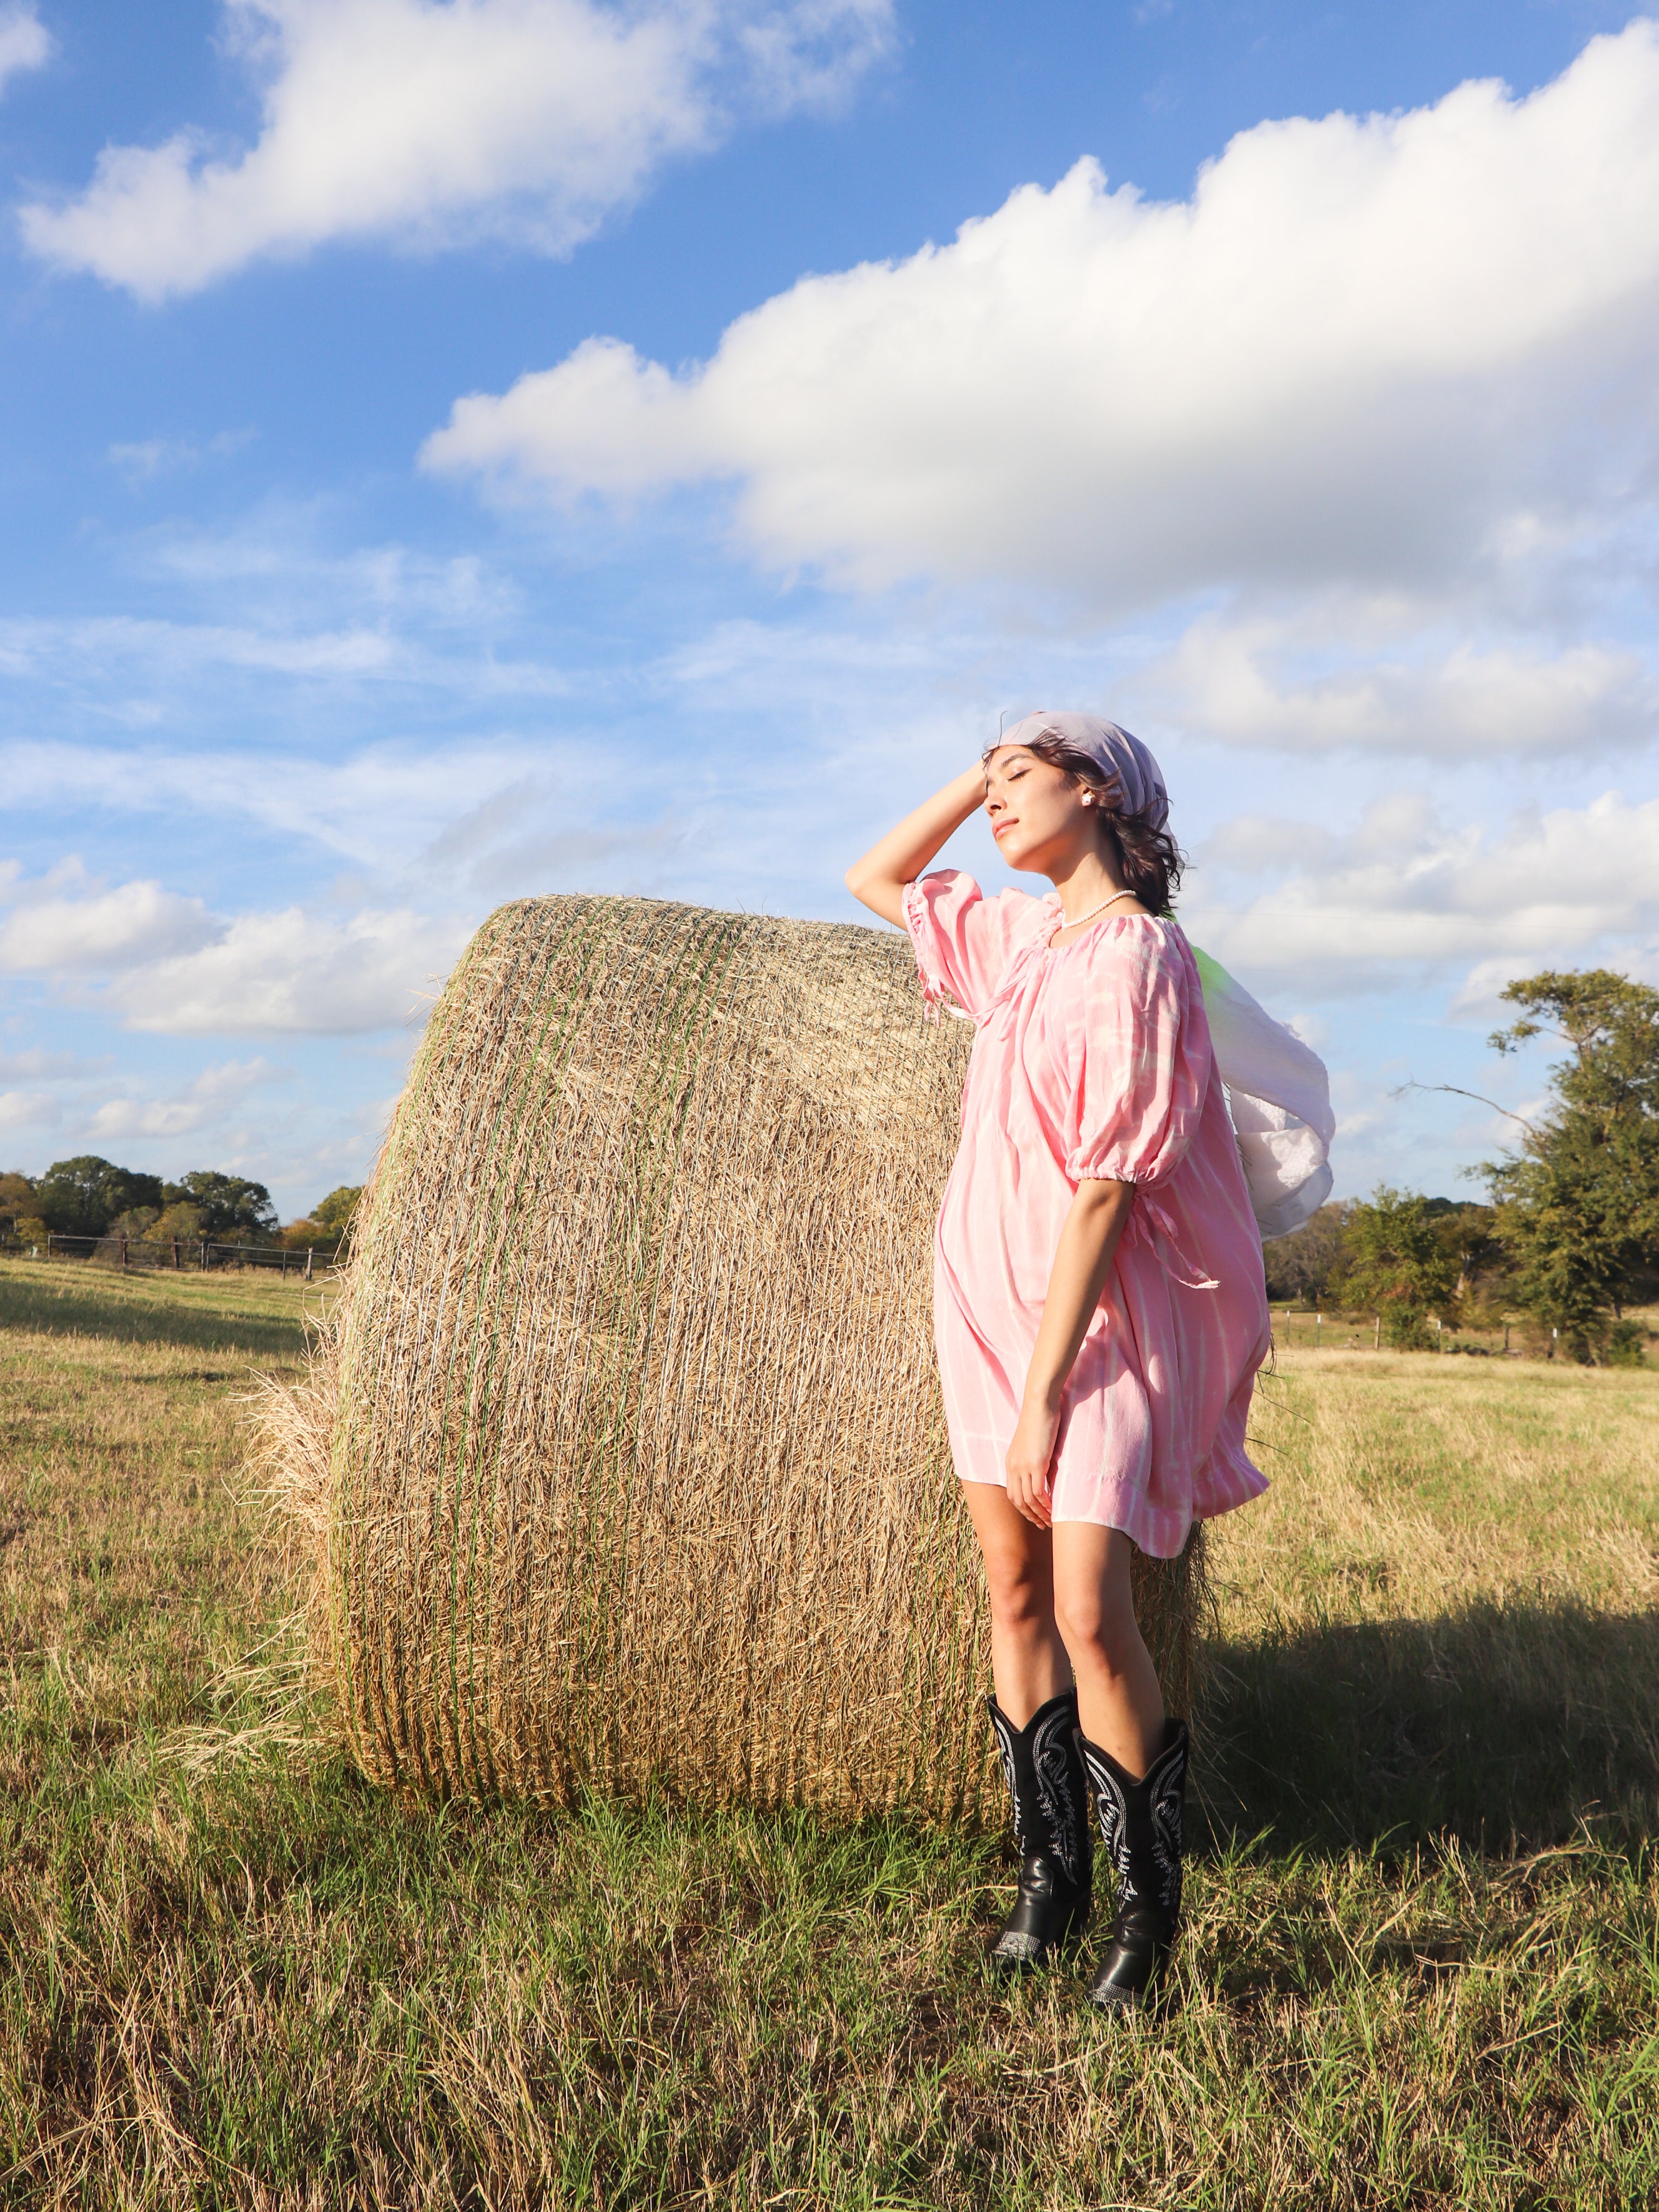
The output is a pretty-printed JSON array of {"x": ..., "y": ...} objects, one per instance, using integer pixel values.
[{"x": 1217, "y": 982}]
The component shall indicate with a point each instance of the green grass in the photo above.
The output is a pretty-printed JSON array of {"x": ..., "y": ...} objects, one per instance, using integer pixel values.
[
  {"x": 252, "y": 1312},
  {"x": 1422, "y": 1958}
]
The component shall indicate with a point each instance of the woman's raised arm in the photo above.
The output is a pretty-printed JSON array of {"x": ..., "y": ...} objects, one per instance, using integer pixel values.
[{"x": 879, "y": 879}]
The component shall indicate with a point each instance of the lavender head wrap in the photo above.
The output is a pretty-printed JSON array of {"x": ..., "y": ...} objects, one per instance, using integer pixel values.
[{"x": 1124, "y": 758}]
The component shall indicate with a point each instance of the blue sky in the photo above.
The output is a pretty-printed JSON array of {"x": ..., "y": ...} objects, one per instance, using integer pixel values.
[{"x": 454, "y": 454}]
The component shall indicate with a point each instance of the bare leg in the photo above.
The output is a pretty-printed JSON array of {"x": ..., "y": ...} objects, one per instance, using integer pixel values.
[
  {"x": 1120, "y": 1705},
  {"x": 1029, "y": 1664}
]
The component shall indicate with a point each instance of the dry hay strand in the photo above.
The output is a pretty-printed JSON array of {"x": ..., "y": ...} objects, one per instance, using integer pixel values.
[
  {"x": 287, "y": 1682},
  {"x": 623, "y": 1456}
]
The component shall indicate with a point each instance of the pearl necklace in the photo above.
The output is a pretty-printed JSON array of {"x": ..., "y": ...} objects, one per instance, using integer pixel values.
[{"x": 1093, "y": 911}]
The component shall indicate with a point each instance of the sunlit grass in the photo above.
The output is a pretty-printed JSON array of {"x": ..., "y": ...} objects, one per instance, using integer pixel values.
[{"x": 1421, "y": 1965}]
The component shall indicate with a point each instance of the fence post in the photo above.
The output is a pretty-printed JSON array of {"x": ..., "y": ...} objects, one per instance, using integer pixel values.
[
  {"x": 177, "y": 1262},
  {"x": 285, "y": 1263},
  {"x": 50, "y": 1233},
  {"x": 1506, "y": 1336},
  {"x": 201, "y": 1259},
  {"x": 1319, "y": 1324},
  {"x": 123, "y": 1248},
  {"x": 1377, "y": 1342},
  {"x": 307, "y": 1263}
]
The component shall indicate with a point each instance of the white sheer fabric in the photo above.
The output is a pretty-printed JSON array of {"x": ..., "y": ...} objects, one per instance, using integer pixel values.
[{"x": 1281, "y": 1097}]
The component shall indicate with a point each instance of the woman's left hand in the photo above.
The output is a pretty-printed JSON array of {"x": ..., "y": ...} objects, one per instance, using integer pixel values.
[{"x": 1030, "y": 1456}]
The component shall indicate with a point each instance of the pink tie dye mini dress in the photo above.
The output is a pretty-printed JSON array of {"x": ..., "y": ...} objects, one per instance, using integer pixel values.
[{"x": 1092, "y": 1060}]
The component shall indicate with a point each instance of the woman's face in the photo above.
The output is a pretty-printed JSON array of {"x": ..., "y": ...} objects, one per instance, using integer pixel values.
[{"x": 1037, "y": 810}]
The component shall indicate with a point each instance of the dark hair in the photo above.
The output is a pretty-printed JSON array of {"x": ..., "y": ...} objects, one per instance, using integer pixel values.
[{"x": 1148, "y": 858}]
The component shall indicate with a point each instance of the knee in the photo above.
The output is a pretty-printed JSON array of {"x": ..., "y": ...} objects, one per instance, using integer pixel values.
[
  {"x": 1100, "y": 1638},
  {"x": 1020, "y": 1594}
]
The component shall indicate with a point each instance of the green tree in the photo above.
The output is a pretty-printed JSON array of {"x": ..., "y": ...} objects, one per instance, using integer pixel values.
[
  {"x": 181, "y": 1220},
  {"x": 1304, "y": 1264},
  {"x": 16, "y": 1198},
  {"x": 1579, "y": 1201},
  {"x": 335, "y": 1214},
  {"x": 81, "y": 1197},
  {"x": 138, "y": 1221},
  {"x": 1398, "y": 1263},
  {"x": 1467, "y": 1232},
  {"x": 231, "y": 1206}
]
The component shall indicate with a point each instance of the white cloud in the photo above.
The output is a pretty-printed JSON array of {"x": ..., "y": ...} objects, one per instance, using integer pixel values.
[
  {"x": 1268, "y": 681},
  {"x": 38, "y": 1065},
  {"x": 171, "y": 652},
  {"x": 29, "y": 1110},
  {"x": 166, "y": 963},
  {"x": 1403, "y": 352},
  {"x": 277, "y": 547},
  {"x": 25, "y": 41},
  {"x": 212, "y": 1094},
  {"x": 431, "y": 121},
  {"x": 1408, "y": 892},
  {"x": 385, "y": 808},
  {"x": 294, "y": 972},
  {"x": 108, "y": 930},
  {"x": 1480, "y": 996},
  {"x": 141, "y": 460}
]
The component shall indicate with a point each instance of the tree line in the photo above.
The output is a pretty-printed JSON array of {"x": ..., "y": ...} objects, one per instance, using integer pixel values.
[
  {"x": 87, "y": 1196},
  {"x": 1570, "y": 1233}
]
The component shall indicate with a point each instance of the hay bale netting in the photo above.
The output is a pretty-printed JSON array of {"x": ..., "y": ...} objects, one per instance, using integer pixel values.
[{"x": 633, "y": 1464}]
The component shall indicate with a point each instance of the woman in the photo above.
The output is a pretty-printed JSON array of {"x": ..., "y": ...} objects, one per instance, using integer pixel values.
[{"x": 1099, "y": 1308}]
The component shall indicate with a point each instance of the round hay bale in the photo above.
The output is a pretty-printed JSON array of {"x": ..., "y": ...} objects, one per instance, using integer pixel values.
[{"x": 626, "y": 1449}]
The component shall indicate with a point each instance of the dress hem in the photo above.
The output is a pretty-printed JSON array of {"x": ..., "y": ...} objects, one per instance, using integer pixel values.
[{"x": 1160, "y": 1532}]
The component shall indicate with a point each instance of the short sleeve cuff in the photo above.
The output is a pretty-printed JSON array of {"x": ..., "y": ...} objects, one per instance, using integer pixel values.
[
  {"x": 1088, "y": 1166},
  {"x": 919, "y": 922}
]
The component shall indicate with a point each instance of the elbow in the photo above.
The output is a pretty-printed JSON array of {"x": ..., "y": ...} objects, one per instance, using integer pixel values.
[{"x": 865, "y": 884}]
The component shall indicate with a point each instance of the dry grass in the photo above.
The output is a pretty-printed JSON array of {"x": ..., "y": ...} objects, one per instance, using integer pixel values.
[
  {"x": 637, "y": 1476},
  {"x": 1419, "y": 1482},
  {"x": 1451, "y": 1593},
  {"x": 275, "y": 1988},
  {"x": 128, "y": 1568}
]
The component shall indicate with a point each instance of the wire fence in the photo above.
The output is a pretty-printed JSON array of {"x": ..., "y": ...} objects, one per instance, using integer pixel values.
[{"x": 182, "y": 1254}]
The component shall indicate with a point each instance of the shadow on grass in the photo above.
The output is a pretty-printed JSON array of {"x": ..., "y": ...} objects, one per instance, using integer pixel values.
[
  {"x": 1504, "y": 1726},
  {"x": 76, "y": 1306}
]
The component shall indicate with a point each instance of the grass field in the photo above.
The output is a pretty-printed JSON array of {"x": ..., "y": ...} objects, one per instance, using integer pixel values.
[{"x": 1422, "y": 1962}]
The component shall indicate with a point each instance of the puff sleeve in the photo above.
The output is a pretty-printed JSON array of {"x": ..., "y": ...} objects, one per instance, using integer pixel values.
[
  {"x": 963, "y": 941},
  {"x": 1141, "y": 1050}
]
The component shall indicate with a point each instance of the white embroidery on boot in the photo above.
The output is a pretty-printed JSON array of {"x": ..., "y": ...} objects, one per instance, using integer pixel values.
[
  {"x": 1168, "y": 1782},
  {"x": 1050, "y": 1760},
  {"x": 1114, "y": 1815},
  {"x": 1002, "y": 1729}
]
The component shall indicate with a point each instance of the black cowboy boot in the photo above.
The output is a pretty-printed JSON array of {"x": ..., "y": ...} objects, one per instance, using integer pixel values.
[
  {"x": 1050, "y": 1792},
  {"x": 1141, "y": 1825}
]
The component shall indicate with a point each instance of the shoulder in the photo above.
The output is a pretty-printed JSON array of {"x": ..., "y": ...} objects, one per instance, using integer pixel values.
[
  {"x": 1136, "y": 945},
  {"x": 1140, "y": 958},
  {"x": 1022, "y": 917},
  {"x": 1014, "y": 916}
]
